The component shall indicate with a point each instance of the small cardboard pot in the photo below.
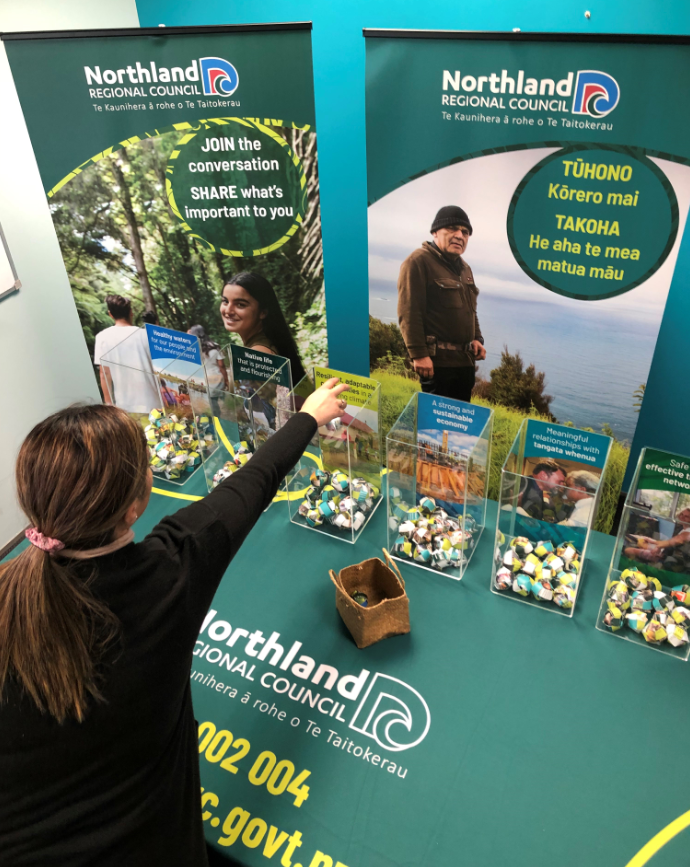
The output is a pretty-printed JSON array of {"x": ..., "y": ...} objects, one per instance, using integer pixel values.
[{"x": 388, "y": 611}]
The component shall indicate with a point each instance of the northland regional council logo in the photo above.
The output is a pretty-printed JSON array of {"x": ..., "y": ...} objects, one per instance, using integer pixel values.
[
  {"x": 594, "y": 94},
  {"x": 217, "y": 76},
  {"x": 390, "y": 712}
]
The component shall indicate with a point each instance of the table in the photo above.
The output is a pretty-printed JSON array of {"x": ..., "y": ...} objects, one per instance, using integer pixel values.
[{"x": 549, "y": 742}]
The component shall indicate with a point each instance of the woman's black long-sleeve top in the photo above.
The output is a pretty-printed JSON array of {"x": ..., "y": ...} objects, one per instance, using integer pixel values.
[{"x": 122, "y": 788}]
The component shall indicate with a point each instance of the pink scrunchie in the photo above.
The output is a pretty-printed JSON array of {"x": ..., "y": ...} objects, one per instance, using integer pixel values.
[{"x": 45, "y": 543}]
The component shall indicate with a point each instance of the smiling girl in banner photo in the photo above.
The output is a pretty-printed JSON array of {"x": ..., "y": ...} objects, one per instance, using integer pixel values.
[{"x": 250, "y": 309}]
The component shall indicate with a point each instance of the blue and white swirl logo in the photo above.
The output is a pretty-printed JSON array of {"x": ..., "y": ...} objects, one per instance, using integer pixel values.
[
  {"x": 218, "y": 77},
  {"x": 596, "y": 93},
  {"x": 392, "y": 713}
]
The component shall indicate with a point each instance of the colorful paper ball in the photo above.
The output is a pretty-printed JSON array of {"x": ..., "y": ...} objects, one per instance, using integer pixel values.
[
  {"x": 522, "y": 546},
  {"x": 340, "y": 482},
  {"x": 512, "y": 561},
  {"x": 676, "y": 635},
  {"x": 441, "y": 558},
  {"x": 553, "y": 561},
  {"x": 569, "y": 579},
  {"x": 618, "y": 593},
  {"x": 636, "y": 620},
  {"x": 613, "y": 619},
  {"x": 504, "y": 579},
  {"x": 654, "y": 632},
  {"x": 681, "y": 593},
  {"x": 304, "y": 508},
  {"x": 319, "y": 478},
  {"x": 542, "y": 590},
  {"x": 427, "y": 505},
  {"x": 543, "y": 549},
  {"x": 157, "y": 465},
  {"x": 680, "y": 615},
  {"x": 421, "y": 553},
  {"x": 358, "y": 520},
  {"x": 313, "y": 518},
  {"x": 328, "y": 493},
  {"x": 661, "y": 600},
  {"x": 522, "y": 584},
  {"x": 327, "y": 509},
  {"x": 348, "y": 505},
  {"x": 635, "y": 579},
  {"x": 564, "y": 596},
  {"x": 567, "y": 552},
  {"x": 343, "y": 521},
  {"x": 639, "y": 601},
  {"x": 360, "y": 493}
]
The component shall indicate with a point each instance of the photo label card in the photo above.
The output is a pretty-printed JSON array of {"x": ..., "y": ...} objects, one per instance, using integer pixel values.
[{"x": 546, "y": 440}]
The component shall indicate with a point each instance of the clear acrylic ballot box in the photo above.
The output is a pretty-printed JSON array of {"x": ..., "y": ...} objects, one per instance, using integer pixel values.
[
  {"x": 550, "y": 486},
  {"x": 437, "y": 455},
  {"x": 336, "y": 486},
  {"x": 646, "y": 598},
  {"x": 255, "y": 403},
  {"x": 155, "y": 389}
]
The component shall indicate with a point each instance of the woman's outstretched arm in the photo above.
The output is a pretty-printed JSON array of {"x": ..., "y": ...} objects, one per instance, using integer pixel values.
[{"x": 204, "y": 537}]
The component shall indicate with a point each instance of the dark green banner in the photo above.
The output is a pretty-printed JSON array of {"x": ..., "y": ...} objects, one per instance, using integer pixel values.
[
  {"x": 570, "y": 161},
  {"x": 173, "y": 162}
]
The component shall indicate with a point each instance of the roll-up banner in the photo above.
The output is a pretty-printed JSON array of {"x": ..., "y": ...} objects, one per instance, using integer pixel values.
[
  {"x": 173, "y": 161},
  {"x": 555, "y": 171}
]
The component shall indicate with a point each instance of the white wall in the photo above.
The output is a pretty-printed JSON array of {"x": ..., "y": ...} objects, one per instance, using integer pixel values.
[{"x": 44, "y": 364}]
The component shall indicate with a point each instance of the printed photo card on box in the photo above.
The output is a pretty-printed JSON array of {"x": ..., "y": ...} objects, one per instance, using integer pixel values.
[
  {"x": 647, "y": 593},
  {"x": 262, "y": 384}
]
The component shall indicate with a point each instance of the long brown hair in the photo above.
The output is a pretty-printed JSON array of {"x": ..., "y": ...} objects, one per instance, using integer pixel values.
[{"x": 77, "y": 474}]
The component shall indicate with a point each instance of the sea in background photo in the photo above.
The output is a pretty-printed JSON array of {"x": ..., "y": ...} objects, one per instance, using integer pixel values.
[
  {"x": 593, "y": 360},
  {"x": 595, "y": 354}
]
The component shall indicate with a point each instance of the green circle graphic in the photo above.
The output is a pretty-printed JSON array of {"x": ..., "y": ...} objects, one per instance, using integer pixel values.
[
  {"x": 236, "y": 185},
  {"x": 593, "y": 221}
]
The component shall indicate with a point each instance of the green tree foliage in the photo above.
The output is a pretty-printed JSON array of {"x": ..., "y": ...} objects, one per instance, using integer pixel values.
[
  {"x": 638, "y": 394},
  {"x": 521, "y": 388},
  {"x": 385, "y": 338},
  {"x": 118, "y": 234}
]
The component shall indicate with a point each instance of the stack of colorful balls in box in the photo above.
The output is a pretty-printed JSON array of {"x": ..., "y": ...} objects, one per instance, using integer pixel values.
[
  {"x": 643, "y": 605},
  {"x": 539, "y": 570},
  {"x": 429, "y": 535},
  {"x": 175, "y": 443},
  {"x": 241, "y": 454},
  {"x": 337, "y": 500}
]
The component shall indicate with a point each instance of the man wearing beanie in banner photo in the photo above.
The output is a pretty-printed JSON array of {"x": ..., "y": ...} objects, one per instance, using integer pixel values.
[{"x": 437, "y": 308}]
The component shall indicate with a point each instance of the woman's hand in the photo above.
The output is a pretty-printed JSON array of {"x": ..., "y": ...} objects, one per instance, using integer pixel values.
[{"x": 325, "y": 403}]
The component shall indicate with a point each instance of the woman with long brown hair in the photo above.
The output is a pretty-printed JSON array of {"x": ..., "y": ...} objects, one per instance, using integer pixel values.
[{"x": 98, "y": 745}]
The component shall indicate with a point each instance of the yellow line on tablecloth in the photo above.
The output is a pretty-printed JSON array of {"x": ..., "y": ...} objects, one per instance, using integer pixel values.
[
  {"x": 223, "y": 437},
  {"x": 660, "y": 840},
  {"x": 175, "y": 495},
  {"x": 280, "y": 497}
]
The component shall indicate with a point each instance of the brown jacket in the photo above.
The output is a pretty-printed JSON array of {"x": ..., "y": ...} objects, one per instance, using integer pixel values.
[{"x": 437, "y": 298}]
